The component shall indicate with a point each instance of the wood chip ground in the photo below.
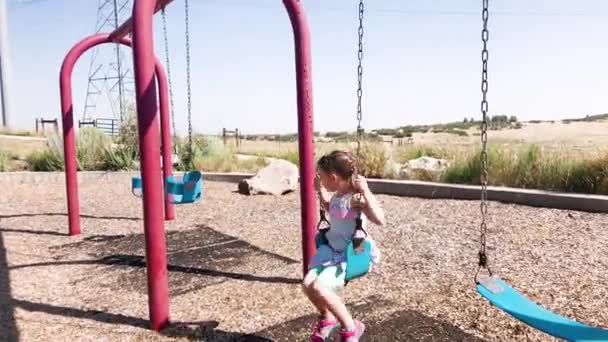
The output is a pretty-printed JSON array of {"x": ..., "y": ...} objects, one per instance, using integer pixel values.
[{"x": 235, "y": 265}]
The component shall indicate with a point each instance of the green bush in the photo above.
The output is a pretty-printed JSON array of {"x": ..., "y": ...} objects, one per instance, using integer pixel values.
[
  {"x": 290, "y": 156},
  {"x": 50, "y": 159},
  {"x": 45, "y": 160},
  {"x": 91, "y": 146},
  {"x": 119, "y": 158},
  {"x": 5, "y": 161}
]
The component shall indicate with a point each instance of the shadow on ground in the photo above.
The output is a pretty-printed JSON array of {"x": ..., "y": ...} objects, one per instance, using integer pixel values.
[
  {"x": 201, "y": 257},
  {"x": 8, "y": 326},
  {"x": 196, "y": 259},
  {"x": 98, "y": 217},
  {"x": 383, "y": 323},
  {"x": 194, "y": 331}
]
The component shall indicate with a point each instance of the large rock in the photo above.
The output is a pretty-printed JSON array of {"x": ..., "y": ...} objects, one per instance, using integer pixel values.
[
  {"x": 424, "y": 168},
  {"x": 278, "y": 178}
]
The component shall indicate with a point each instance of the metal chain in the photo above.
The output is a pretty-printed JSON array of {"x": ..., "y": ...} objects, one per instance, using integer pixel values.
[
  {"x": 483, "y": 260},
  {"x": 188, "y": 83},
  {"x": 168, "y": 66},
  {"x": 359, "y": 223},
  {"x": 360, "y": 79}
]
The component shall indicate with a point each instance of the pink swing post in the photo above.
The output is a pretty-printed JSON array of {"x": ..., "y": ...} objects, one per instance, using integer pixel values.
[{"x": 67, "y": 117}]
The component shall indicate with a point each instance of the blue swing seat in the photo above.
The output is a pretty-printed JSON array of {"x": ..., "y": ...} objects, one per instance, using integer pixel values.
[
  {"x": 358, "y": 261},
  {"x": 188, "y": 189},
  {"x": 517, "y": 305},
  {"x": 136, "y": 186}
]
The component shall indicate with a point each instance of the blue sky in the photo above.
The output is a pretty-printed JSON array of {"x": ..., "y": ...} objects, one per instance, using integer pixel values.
[{"x": 422, "y": 61}]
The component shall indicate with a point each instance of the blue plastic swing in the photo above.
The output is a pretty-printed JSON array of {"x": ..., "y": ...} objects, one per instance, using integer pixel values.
[
  {"x": 509, "y": 300},
  {"x": 136, "y": 186},
  {"x": 358, "y": 260},
  {"x": 184, "y": 191}
]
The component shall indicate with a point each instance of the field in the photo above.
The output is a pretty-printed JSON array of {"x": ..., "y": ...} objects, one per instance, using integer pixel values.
[
  {"x": 578, "y": 139},
  {"x": 560, "y": 156}
]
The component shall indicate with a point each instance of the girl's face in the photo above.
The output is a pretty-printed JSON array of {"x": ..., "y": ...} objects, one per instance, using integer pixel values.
[{"x": 332, "y": 182}]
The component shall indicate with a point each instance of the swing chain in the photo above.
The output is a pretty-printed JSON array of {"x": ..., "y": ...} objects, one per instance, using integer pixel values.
[
  {"x": 360, "y": 79},
  {"x": 168, "y": 66},
  {"x": 359, "y": 222},
  {"x": 188, "y": 83},
  {"x": 483, "y": 260}
]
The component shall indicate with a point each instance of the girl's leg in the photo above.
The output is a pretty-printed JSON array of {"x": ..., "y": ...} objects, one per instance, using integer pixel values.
[
  {"x": 321, "y": 291},
  {"x": 322, "y": 308},
  {"x": 335, "y": 305}
]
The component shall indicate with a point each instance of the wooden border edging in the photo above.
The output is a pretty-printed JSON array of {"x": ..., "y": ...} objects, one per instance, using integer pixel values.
[{"x": 536, "y": 198}]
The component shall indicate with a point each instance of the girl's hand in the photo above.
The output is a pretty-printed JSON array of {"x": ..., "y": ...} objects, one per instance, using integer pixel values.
[
  {"x": 322, "y": 194},
  {"x": 360, "y": 184},
  {"x": 358, "y": 202}
]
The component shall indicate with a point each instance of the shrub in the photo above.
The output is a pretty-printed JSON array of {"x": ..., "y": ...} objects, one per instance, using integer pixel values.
[
  {"x": 5, "y": 161},
  {"x": 372, "y": 160}
]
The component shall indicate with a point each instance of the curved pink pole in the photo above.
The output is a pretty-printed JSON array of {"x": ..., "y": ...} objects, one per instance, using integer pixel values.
[
  {"x": 67, "y": 110},
  {"x": 143, "y": 53},
  {"x": 306, "y": 138},
  {"x": 145, "y": 92}
]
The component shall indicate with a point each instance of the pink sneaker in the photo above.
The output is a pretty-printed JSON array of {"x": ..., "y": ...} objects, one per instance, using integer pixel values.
[
  {"x": 322, "y": 330},
  {"x": 352, "y": 336}
]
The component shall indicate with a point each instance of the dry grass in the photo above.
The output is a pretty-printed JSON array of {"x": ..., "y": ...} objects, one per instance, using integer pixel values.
[
  {"x": 424, "y": 288},
  {"x": 22, "y": 146}
]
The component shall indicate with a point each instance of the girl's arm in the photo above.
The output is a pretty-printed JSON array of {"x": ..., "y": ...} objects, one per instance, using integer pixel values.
[{"x": 372, "y": 208}]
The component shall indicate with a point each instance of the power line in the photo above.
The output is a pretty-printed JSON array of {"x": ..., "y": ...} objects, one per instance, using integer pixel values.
[
  {"x": 419, "y": 12},
  {"x": 389, "y": 11}
]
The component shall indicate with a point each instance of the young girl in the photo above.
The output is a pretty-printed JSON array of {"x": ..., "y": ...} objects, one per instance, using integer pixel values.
[{"x": 327, "y": 268}]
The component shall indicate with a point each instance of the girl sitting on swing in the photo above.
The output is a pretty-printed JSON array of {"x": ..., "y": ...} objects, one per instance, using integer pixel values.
[{"x": 326, "y": 274}]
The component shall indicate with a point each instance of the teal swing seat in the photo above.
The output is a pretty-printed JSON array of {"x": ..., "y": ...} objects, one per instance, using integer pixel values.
[
  {"x": 136, "y": 186},
  {"x": 358, "y": 252},
  {"x": 509, "y": 300},
  {"x": 186, "y": 190}
]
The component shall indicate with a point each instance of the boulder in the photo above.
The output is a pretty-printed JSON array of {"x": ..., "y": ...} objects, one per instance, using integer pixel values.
[
  {"x": 424, "y": 168},
  {"x": 278, "y": 178}
]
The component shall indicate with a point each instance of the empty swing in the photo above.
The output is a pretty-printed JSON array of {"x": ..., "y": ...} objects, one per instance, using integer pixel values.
[
  {"x": 497, "y": 291},
  {"x": 188, "y": 188}
]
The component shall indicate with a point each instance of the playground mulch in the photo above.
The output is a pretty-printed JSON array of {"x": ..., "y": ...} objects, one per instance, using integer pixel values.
[{"x": 235, "y": 265}]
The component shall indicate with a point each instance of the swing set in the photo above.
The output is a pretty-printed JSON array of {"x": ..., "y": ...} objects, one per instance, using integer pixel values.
[
  {"x": 188, "y": 189},
  {"x": 155, "y": 183}
]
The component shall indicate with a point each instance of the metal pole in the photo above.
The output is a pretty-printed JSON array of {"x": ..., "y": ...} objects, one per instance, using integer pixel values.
[
  {"x": 301, "y": 35},
  {"x": 153, "y": 192},
  {"x": 4, "y": 66},
  {"x": 165, "y": 129}
]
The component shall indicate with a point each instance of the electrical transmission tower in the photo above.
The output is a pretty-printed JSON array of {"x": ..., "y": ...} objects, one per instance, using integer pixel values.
[{"x": 110, "y": 75}]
